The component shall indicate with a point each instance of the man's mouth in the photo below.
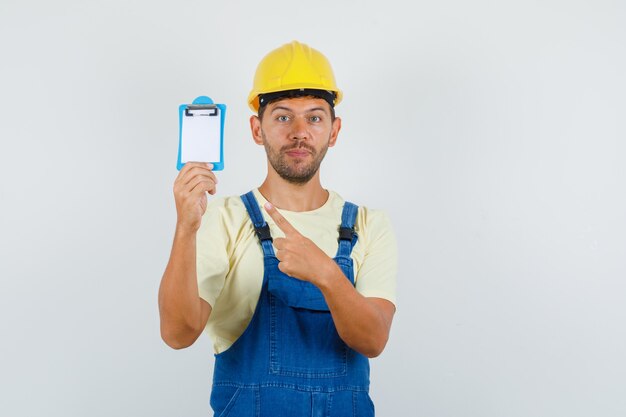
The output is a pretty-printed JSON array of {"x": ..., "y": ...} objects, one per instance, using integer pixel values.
[{"x": 298, "y": 153}]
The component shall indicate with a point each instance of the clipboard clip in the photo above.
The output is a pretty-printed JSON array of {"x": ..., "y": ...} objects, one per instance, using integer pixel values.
[{"x": 192, "y": 107}]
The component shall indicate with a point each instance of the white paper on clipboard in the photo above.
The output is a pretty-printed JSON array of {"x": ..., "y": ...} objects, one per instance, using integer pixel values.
[{"x": 201, "y": 135}]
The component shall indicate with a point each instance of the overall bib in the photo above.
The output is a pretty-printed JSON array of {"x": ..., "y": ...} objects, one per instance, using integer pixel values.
[{"x": 290, "y": 360}]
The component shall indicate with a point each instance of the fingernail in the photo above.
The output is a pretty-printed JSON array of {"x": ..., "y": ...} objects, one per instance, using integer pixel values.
[
  {"x": 210, "y": 166},
  {"x": 268, "y": 206}
]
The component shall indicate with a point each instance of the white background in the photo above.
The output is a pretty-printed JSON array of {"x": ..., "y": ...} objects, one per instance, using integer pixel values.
[{"x": 492, "y": 132}]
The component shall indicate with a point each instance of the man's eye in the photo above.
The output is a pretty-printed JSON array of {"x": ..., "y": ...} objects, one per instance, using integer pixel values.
[
  {"x": 283, "y": 118},
  {"x": 315, "y": 119}
]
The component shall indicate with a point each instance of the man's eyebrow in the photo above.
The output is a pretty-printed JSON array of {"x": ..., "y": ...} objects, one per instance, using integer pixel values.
[
  {"x": 281, "y": 108},
  {"x": 318, "y": 108}
]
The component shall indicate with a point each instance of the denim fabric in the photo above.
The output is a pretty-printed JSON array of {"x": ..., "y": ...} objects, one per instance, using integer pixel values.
[{"x": 290, "y": 361}]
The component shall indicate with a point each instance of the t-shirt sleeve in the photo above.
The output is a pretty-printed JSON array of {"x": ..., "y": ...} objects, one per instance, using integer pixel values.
[
  {"x": 211, "y": 253},
  {"x": 377, "y": 274}
]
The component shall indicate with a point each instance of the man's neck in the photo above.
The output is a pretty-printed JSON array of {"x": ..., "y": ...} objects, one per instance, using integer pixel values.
[{"x": 294, "y": 197}]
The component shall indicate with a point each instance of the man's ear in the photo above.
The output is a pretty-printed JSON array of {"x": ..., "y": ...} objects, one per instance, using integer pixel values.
[
  {"x": 255, "y": 128},
  {"x": 334, "y": 132}
]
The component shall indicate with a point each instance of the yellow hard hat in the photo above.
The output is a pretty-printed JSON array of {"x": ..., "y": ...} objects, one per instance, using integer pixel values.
[{"x": 293, "y": 66}]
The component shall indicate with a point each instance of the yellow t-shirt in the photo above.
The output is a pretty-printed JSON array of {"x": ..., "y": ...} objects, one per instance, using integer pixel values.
[{"x": 230, "y": 258}]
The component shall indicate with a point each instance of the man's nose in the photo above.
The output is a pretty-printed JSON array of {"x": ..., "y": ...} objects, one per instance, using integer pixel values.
[{"x": 299, "y": 129}]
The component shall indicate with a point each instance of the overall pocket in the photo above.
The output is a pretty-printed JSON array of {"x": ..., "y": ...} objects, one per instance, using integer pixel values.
[
  {"x": 303, "y": 339},
  {"x": 302, "y": 294},
  {"x": 232, "y": 401},
  {"x": 296, "y": 293}
]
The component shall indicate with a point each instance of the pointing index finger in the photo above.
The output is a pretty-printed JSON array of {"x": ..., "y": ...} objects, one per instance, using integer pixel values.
[{"x": 280, "y": 221}]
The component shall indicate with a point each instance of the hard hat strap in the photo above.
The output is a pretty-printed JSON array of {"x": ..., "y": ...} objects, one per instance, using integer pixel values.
[{"x": 329, "y": 96}]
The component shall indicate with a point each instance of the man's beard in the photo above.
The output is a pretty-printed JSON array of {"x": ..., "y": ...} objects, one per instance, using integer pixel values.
[{"x": 298, "y": 172}]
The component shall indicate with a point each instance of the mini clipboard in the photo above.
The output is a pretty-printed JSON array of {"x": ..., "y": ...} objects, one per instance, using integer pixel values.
[{"x": 201, "y": 133}]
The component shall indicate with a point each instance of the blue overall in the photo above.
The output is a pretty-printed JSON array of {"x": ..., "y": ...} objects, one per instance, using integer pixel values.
[{"x": 290, "y": 360}]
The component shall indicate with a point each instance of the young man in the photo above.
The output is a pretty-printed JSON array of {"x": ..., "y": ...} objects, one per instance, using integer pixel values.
[{"x": 295, "y": 286}]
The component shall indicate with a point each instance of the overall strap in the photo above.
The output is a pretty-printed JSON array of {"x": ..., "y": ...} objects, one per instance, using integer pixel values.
[
  {"x": 347, "y": 235},
  {"x": 261, "y": 227}
]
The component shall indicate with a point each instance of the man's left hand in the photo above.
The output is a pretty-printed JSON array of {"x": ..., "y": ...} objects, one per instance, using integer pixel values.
[{"x": 299, "y": 257}]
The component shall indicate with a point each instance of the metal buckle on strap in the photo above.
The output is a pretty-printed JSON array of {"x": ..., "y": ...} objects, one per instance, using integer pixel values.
[
  {"x": 263, "y": 232},
  {"x": 346, "y": 233}
]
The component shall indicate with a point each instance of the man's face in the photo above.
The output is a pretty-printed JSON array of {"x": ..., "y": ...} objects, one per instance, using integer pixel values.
[{"x": 296, "y": 134}]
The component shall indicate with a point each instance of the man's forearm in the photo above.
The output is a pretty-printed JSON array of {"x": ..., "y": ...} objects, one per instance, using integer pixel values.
[
  {"x": 362, "y": 323},
  {"x": 181, "y": 310}
]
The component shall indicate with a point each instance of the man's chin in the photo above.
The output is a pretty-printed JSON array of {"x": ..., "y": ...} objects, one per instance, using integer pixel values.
[{"x": 300, "y": 178}]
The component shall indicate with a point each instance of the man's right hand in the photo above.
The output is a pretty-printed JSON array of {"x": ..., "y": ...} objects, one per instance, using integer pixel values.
[{"x": 194, "y": 180}]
